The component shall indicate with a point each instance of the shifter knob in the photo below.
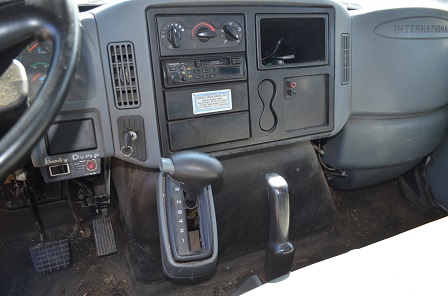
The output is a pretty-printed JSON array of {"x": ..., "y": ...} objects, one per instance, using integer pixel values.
[
  {"x": 194, "y": 170},
  {"x": 280, "y": 251}
]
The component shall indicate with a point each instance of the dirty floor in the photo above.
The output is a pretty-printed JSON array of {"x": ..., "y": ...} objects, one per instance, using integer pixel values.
[{"x": 363, "y": 217}]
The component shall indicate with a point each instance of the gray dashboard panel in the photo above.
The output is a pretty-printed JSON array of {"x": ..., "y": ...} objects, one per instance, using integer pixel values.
[
  {"x": 86, "y": 99},
  {"x": 399, "y": 95},
  {"x": 399, "y": 61},
  {"x": 436, "y": 173},
  {"x": 126, "y": 21},
  {"x": 375, "y": 143},
  {"x": 92, "y": 94}
]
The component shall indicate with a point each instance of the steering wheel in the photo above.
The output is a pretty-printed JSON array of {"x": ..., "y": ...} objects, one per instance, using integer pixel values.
[{"x": 22, "y": 21}]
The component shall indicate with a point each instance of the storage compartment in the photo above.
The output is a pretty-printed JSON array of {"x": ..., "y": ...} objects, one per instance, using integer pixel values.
[
  {"x": 292, "y": 40},
  {"x": 306, "y": 104},
  {"x": 210, "y": 130},
  {"x": 70, "y": 136},
  {"x": 179, "y": 101}
]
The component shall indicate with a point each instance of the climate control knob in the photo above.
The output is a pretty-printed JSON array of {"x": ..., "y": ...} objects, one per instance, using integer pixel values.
[
  {"x": 231, "y": 33},
  {"x": 174, "y": 37},
  {"x": 204, "y": 34}
]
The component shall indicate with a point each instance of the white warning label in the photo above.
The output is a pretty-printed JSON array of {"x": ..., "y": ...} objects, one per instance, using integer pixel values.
[{"x": 212, "y": 101}]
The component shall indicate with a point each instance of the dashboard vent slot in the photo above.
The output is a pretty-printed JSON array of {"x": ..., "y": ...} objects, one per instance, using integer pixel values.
[
  {"x": 345, "y": 56},
  {"x": 124, "y": 75}
]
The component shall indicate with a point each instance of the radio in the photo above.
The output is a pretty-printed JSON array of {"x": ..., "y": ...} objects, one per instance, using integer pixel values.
[{"x": 203, "y": 69}]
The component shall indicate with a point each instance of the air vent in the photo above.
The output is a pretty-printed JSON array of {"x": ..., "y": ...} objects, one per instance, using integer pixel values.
[
  {"x": 124, "y": 75},
  {"x": 345, "y": 56}
]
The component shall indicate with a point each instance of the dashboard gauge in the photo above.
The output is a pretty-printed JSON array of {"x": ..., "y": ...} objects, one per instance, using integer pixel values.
[
  {"x": 36, "y": 59},
  {"x": 37, "y": 72}
]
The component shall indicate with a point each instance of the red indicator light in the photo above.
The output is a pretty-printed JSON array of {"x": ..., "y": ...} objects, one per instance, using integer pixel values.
[
  {"x": 292, "y": 84},
  {"x": 91, "y": 165}
]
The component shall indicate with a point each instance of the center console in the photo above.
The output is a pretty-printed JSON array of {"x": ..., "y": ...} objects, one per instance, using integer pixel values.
[{"x": 226, "y": 80}]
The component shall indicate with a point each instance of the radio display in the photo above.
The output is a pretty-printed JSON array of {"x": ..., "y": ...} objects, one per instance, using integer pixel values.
[
  {"x": 215, "y": 62},
  {"x": 229, "y": 70}
]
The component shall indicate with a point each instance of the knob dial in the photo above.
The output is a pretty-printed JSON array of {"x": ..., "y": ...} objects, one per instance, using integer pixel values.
[
  {"x": 175, "y": 78},
  {"x": 204, "y": 34},
  {"x": 174, "y": 37},
  {"x": 231, "y": 33}
]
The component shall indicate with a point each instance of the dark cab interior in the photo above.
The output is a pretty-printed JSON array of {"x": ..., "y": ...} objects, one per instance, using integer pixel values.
[{"x": 197, "y": 147}]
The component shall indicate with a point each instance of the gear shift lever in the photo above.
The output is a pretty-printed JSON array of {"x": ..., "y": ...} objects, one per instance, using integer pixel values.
[
  {"x": 193, "y": 170},
  {"x": 280, "y": 251},
  {"x": 187, "y": 221}
]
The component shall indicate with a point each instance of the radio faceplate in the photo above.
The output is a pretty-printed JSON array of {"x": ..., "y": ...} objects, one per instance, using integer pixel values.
[{"x": 203, "y": 69}]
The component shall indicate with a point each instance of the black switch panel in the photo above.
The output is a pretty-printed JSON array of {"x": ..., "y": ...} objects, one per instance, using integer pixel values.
[{"x": 133, "y": 124}]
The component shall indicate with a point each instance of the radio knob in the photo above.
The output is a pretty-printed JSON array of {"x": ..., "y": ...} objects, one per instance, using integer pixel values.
[
  {"x": 231, "y": 33},
  {"x": 175, "y": 78},
  {"x": 174, "y": 37}
]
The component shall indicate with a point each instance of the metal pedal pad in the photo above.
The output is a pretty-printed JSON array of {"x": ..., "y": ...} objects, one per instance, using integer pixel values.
[
  {"x": 51, "y": 256},
  {"x": 104, "y": 236}
]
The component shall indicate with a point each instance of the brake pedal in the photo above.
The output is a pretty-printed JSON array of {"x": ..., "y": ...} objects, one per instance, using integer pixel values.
[
  {"x": 104, "y": 236},
  {"x": 51, "y": 256},
  {"x": 47, "y": 256}
]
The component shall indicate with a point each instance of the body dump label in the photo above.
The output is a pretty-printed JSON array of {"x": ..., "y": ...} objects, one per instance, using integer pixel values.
[{"x": 212, "y": 101}]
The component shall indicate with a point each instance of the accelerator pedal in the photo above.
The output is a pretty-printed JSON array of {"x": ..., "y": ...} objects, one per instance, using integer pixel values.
[
  {"x": 51, "y": 256},
  {"x": 104, "y": 236}
]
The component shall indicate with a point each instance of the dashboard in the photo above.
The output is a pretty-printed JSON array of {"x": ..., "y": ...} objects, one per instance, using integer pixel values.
[
  {"x": 251, "y": 83},
  {"x": 156, "y": 77}
]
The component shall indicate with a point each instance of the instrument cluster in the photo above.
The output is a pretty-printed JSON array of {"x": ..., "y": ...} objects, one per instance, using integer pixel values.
[{"x": 36, "y": 59}]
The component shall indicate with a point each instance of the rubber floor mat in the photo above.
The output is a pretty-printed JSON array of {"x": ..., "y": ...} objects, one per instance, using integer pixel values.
[{"x": 51, "y": 256}]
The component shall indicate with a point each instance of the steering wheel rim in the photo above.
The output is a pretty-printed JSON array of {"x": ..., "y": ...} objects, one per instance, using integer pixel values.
[{"x": 20, "y": 22}]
